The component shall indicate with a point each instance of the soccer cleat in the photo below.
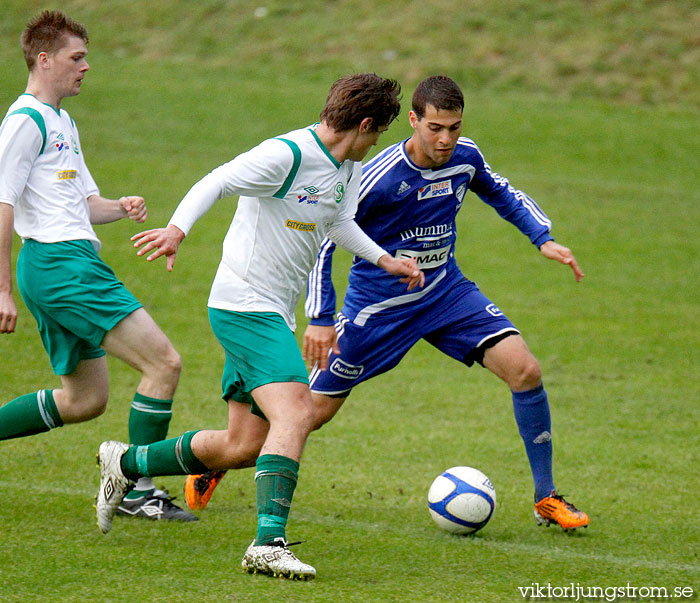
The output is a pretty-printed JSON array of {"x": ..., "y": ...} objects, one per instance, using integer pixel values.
[
  {"x": 275, "y": 559},
  {"x": 554, "y": 509},
  {"x": 199, "y": 488},
  {"x": 113, "y": 483},
  {"x": 155, "y": 505}
]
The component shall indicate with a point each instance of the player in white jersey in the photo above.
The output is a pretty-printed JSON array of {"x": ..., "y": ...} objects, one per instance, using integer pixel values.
[
  {"x": 49, "y": 197},
  {"x": 294, "y": 190}
]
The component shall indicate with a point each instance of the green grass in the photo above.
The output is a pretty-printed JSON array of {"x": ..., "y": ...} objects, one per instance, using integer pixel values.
[{"x": 164, "y": 104}]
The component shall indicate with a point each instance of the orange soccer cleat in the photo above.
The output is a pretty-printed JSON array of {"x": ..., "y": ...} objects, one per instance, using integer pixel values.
[
  {"x": 199, "y": 488},
  {"x": 554, "y": 509}
]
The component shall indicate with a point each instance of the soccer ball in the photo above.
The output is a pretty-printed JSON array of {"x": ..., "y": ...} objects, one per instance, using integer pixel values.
[{"x": 461, "y": 500}]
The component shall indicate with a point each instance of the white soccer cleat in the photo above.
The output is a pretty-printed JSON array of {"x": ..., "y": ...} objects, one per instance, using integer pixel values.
[
  {"x": 275, "y": 559},
  {"x": 113, "y": 484}
]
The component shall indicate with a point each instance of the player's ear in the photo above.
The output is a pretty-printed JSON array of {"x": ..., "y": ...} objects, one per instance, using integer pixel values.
[
  {"x": 366, "y": 125},
  {"x": 413, "y": 118}
]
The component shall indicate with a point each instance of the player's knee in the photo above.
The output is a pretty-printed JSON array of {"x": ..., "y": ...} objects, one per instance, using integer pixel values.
[
  {"x": 169, "y": 364},
  {"x": 527, "y": 376},
  {"x": 83, "y": 406}
]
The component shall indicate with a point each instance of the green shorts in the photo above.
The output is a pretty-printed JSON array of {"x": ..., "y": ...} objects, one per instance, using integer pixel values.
[
  {"x": 74, "y": 297},
  {"x": 260, "y": 348}
]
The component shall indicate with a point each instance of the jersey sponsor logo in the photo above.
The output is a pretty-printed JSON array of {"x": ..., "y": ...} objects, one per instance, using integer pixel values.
[
  {"x": 61, "y": 144},
  {"x": 345, "y": 370},
  {"x": 436, "y": 189},
  {"x": 432, "y": 258},
  {"x": 304, "y": 226},
  {"x": 67, "y": 175},
  {"x": 403, "y": 187},
  {"x": 493, "y": 310},
  {"x": 427, "y": 232},
  {"x": 339, "y": 192},
  {"x": 308, "y": 199}
]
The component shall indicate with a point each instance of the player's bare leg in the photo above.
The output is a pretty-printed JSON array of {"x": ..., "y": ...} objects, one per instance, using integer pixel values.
[
  {"x": 138, "y": 341},
  {"x": 242, "y": 442}
]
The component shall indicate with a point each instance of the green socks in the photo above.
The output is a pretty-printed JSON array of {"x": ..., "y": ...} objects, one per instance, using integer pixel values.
[
  {"x": 28, "y": 415},
  {"x": 275, "y": 479},
  {"x": 149, "y": 420},
  {"x": 167, "y": 457}
]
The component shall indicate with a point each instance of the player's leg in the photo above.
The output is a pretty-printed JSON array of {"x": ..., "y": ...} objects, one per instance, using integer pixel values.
[
  {"x": 242, "y": 442},
  {"x": 479, "y": 332},
  {"x": 246, "y": 436},
  {"x": 365, "y": 352},
  {"x": 511, "y": 360},
  {"x": 288, "y": 407},
  {"x": 137, "y": 340},
  {"x": 325, "y": 407},
  {"x": 45, "y": 278},
  {"x": 83, "y": 396}
]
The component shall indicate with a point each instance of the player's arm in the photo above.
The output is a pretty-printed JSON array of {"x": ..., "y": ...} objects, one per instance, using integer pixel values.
[
  {"x": 320, "y": 336},
  {"x": 554, "y": 251},
  {"x": 8, "y": 308},
  {"x": 258, "y": 172},
  {"x": 21, "y": 142},
  {"x": 346, "y": 232},
  {"x": 522, "y": 211},
  {"x": 104, "y": 211},
  {"x": 166, "y": 241}
]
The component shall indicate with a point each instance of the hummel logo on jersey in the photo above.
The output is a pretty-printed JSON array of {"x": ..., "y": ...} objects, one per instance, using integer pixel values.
[{"x": 403, "y": 187}]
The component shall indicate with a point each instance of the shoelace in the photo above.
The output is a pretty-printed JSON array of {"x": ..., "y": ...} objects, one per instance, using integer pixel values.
[
  {"x": 201, "y": 484},
  {"x": 283, "y": 544},
  {"x": 560, "y": 498}
]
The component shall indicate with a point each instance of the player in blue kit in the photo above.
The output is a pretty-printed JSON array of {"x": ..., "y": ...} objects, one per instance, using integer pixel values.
[{"x": 409, "y": 199}]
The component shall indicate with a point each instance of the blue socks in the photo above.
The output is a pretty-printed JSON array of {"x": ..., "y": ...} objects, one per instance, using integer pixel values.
[{"x": 531, "y": 410}]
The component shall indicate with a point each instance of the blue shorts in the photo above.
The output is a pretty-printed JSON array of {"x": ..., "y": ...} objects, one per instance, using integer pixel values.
[
  {"x": 74, "y": 297},
  {"x": 461, "y": 323}
]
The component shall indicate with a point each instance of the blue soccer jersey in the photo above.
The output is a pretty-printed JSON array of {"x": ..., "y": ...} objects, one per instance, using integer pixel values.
[{"x": 411, "y": 212}]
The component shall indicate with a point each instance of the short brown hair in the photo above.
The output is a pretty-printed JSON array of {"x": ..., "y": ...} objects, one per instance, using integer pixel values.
[
  {"x": 439, "y": 91},
  {"x": 354, "y": 97},
  {"x": 47, "y": 33}
]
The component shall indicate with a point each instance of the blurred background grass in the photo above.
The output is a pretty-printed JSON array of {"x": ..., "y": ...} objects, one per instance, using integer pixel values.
[{"x": 591, "y": 108}]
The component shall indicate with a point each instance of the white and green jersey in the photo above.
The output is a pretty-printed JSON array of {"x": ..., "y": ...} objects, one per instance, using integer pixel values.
[
  {"x": 43, "y": 173},
  {"x": 293, "y": 193}
]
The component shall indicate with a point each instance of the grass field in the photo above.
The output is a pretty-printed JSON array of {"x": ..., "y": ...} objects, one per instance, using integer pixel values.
[{"x": 614, "y": 166}]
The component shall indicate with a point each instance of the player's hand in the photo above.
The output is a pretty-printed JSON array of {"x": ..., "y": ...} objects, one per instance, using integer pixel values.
[
  {"x": 165, "y": 241},
  {"x": 8, "y": 312},
  {"x": 318, "y": 341},
  {"x": 135, "y": 208},
  {"x": 554, "y": 251},
  {"x": 406, "y": 267}
]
